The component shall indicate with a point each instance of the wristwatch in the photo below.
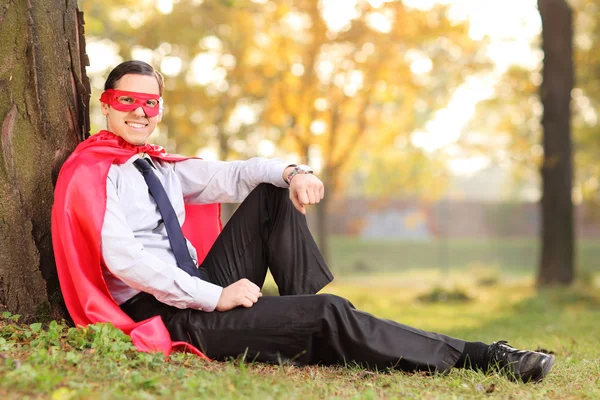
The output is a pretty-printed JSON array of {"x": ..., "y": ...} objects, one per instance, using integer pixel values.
[{"x": 298, "y": 169}]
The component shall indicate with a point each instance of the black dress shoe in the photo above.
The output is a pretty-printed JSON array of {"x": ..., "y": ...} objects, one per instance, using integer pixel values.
[{"x": 519, "y": 365}]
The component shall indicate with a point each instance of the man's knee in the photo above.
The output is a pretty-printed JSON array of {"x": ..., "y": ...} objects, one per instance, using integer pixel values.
[
  {"x": 333, "y": 303},
  {"x": 330, "y": 311}
]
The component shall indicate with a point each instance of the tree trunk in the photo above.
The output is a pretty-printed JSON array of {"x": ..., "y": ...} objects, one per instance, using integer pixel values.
[
  {"x": 44, "y": 99},
  {"x": 556, "y": 266}
]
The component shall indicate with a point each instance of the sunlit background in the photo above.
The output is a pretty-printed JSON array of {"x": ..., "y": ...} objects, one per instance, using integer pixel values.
[
  {"x": 510, "y": 28},
  {"x": 421, "y": 116}
]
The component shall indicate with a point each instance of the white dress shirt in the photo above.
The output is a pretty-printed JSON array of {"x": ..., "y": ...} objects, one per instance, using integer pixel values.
[{"x": 135, "y": 246}]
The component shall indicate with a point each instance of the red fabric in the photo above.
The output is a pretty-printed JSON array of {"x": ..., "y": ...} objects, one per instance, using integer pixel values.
[
  {"x": 77, "y": 218},
  {"x": 110, "y": 97}
]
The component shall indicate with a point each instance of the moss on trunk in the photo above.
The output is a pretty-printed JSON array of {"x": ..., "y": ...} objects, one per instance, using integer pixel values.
[{"x": 44, "y": 97}]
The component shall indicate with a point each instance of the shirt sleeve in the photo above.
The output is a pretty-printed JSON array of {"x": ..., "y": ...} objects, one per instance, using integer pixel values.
[
  {"x": 204, "y": 182},
  {"x": 127, "y": 260}
]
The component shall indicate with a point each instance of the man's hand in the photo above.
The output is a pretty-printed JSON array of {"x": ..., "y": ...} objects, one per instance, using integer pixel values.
[
  {"x": 240, "y": 293},
  {"x": 306, "y": 189}
]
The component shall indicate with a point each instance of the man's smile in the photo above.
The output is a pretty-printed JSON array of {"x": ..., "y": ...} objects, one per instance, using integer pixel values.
[{"x": 136, "y": 125}]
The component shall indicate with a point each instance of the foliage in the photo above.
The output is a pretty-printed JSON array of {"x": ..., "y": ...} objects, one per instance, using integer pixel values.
[
  {"x": 586, "y": 99},
  {"x": 349, "y": 96},
  {"x": 259, "y": 72},
  {"x": 99, "y": 362},
  {"x": 510, "y": 122},
  {"x": 103, "y": 339},
  {"x": 512, "y": 117}
]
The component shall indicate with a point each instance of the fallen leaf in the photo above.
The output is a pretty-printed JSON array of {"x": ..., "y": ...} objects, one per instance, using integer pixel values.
[{"x": 63, "y": 394}]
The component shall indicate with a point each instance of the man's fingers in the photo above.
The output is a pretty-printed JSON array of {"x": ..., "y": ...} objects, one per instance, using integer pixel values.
[
  {"x": 247, "y": 303},
  {"x": 251, "y": 285},
  {"x": 252, "y": 297},
  {"x": 302, "y": 196},
  {"x": 243, "y": 292},
  {"x": 316, "y": 194},
  {"x": 312, "y": 199},
  {"x": 306, "y": 189},
  {"x": 254, "y": 292},
  {"x": 296, "y": 203},
  {"x": 248, "y": 288},
  {"x": 302, "y": 209}
]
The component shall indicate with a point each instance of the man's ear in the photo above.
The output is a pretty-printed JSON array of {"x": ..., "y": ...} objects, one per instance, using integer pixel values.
[
  {"x": 104, "y": 109},
  {"x": 159, "y": 116}
]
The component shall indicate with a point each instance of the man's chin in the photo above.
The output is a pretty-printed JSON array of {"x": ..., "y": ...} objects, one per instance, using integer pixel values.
[
  {"x": 135, "y": 138},
  {"x": 138, "y": 142}
]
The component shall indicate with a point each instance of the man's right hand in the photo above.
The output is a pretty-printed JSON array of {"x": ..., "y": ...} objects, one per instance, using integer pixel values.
[{"x": 240, "y": 293}]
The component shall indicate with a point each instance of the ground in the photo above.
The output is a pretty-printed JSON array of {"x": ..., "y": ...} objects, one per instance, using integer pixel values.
[{"x": 51, "y": 360}]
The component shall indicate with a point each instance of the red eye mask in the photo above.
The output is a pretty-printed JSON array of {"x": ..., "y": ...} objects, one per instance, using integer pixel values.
[{"x": 128, "y": 101}]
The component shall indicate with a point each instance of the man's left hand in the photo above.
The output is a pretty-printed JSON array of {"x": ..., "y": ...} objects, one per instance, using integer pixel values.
[{"x": 306, "y": 189}]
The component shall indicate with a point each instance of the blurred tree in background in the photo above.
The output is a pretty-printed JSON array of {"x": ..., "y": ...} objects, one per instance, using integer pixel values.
[
  {"x": 340, "y": 93},
  {"x": 514, "y": 115},
  {"x": 556, "y": 265}
]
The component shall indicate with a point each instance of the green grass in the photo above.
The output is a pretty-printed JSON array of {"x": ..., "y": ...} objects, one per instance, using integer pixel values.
[
  {"x": 57, "y": 362},
  {"x": 517, "y": 256}
]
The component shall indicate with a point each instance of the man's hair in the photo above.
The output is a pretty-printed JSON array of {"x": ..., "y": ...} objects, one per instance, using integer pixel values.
[{"x": 133, "y": 67}]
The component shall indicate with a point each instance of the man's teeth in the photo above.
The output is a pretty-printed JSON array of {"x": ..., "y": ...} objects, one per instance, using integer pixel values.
[{"x": 135, "y": 125}]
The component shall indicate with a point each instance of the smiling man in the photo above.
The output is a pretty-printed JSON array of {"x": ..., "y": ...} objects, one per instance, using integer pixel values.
[
  {"x": 139, "y": 112},
  {"x": 122, "y": 256}
]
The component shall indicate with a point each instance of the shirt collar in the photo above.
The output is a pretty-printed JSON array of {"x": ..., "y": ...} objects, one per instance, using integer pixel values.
[{"x": 144, "y": 156}]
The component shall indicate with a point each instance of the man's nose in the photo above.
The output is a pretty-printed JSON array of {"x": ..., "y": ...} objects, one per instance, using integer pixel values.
[{"x": 139, "y": 112}]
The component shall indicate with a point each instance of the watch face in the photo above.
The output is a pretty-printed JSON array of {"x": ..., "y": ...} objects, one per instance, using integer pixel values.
[{"x": 304, "y": 169}]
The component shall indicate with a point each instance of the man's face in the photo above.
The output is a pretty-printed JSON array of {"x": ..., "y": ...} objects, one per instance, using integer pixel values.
[{"x": 133, "y": 126}]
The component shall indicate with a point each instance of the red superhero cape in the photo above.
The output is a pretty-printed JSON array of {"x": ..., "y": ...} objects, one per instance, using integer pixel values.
[{"x": 77, "y": 218}]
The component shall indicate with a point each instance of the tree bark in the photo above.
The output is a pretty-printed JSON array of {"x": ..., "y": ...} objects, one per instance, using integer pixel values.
[
  {"x": 557, "y": 258},
  {"x": 44, "y": 101}
]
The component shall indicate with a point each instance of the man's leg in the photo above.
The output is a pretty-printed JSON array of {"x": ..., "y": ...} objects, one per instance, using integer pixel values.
[
  {"x": 306, "y": 329},
  {"x": 326, "y": 329},
  {"x": 267, "y": 231},
  {"x": 310, "y": 329}
]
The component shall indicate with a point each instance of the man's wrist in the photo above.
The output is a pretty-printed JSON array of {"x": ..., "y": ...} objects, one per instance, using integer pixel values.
[
  {"x": 207, "y": 295},
  {"x": 298, "y": 169},
  {"x": 287, "y": 170}
]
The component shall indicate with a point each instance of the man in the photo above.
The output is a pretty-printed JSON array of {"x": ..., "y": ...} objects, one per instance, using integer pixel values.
[{"x": 122, "y": 257}]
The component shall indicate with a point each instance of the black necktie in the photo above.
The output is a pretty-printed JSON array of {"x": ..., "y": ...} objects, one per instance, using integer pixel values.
[{"x": 178, "y": 242}]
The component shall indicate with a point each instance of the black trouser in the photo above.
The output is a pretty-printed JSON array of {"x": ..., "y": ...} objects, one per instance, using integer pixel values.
[{"x": 297, "y": 327}]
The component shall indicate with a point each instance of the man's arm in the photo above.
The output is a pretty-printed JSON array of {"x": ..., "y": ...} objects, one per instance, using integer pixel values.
[
  {"x": 126, "y": 259},
  {"x": 206, "y": 182}
]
